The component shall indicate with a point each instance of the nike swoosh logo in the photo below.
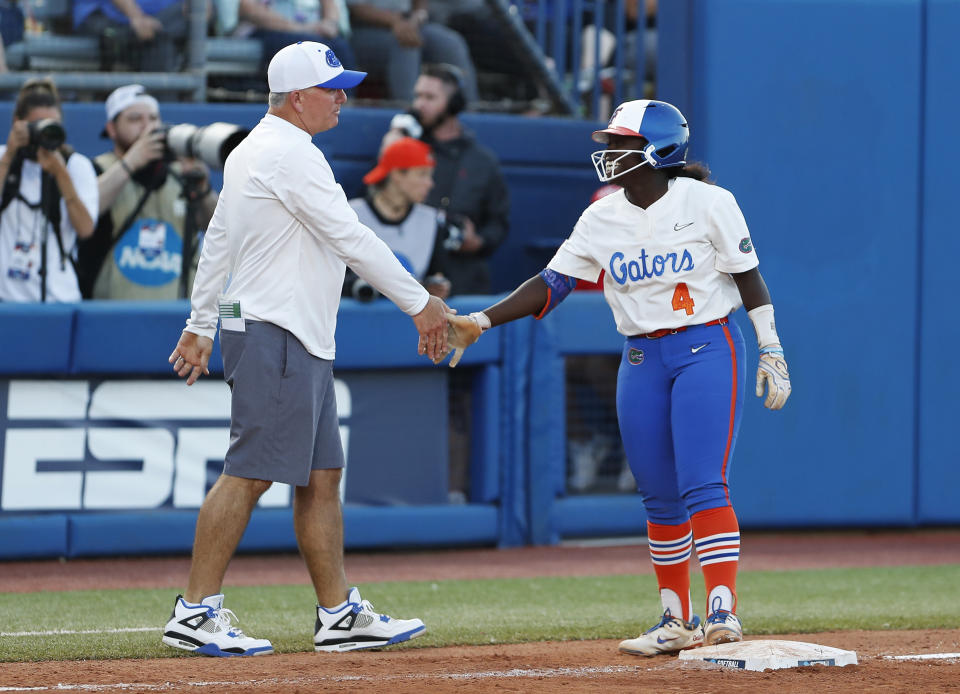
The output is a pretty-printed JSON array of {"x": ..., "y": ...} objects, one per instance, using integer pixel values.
[
  {"x": 694, "y": 350},
  {"x": 678, "y": 227},
  {"x": 662, "y": 640}
]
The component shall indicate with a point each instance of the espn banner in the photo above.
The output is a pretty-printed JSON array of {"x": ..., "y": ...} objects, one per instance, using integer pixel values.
[{"x": 107, "y": 445}]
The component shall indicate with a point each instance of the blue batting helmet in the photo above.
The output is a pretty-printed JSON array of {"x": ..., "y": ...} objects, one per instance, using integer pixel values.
[{"x": 659, "y": 123}]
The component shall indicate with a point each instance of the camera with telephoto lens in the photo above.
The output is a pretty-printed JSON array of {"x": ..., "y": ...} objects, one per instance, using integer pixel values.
[
  {"x": 47, "y": 133},
  {"x": 211, "y": 144},
  {"x": 408, "y": 124},
  {"x": 450, "y": 228},
  {"x": 355, "y": 287}
]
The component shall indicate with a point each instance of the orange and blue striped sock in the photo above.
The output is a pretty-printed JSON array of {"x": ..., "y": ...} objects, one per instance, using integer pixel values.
[
  {"x": 717, "y": 540},
  {"x": 670, "y": 547}
]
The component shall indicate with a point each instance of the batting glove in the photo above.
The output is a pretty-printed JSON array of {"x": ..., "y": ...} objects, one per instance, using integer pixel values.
[
  {"x": 772, "y": 371},
  {"x": 463, "y": 331}
]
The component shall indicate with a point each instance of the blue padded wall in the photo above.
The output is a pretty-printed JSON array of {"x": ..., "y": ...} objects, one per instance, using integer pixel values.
[
  {"x": 939, "y": 473},
  {"x": 811, "y": 119}
]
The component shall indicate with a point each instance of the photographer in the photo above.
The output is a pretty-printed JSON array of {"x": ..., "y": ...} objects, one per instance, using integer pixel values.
[
  {"x": 137, "y": 251},
  {"x": 393, "y": 209},
  {"x": 49, "y": 200},
  {"x": 470, "y": 187}
]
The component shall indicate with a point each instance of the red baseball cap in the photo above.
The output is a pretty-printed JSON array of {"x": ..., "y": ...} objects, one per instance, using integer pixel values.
[{"x": 405, "y": 153}]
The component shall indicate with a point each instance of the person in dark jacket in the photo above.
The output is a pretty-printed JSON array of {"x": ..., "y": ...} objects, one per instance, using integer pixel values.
[{"x": 468, "y": 185}]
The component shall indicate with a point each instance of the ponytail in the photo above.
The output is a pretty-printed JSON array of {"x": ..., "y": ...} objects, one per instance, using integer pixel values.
[{"x": 696, "y": 170}]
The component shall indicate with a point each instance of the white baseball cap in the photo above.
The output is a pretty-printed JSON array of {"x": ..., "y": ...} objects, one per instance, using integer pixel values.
[
  {"x": 122, "y": 98},
  {"x": 309, "y": 64}
]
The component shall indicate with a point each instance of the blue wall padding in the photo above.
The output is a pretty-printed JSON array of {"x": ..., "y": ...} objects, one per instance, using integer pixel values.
[
  {"x": 407, "y": 526},
  {"x": 939, "y": 473},
  {"x": 378, "y": 326},
  {"x": 583, "y": 324},
  {"x": 599, "y": 515},
  {"x": 486, "y": 402},
  {"x": 171, "y": 532},
  {"x": 515, "y": 481},
  {"x": 29, "y": 536},
  {"x": 36, "y": 342},
  {"x": 546, "y": 443},
  {"x": 125, "y": 533},
  {"x": 131, "y": 337},
  {"x": 801, "y": 125}
]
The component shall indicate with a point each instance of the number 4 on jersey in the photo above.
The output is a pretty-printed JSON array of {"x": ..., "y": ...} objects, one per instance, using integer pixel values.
[{"x": 682, "y": 300}]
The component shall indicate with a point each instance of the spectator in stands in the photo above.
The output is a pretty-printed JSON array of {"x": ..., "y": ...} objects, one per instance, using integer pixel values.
[
  {"x": 393, "y": 208},
  {"x": 150, "y": 34},
  {"x": 493, "y": 50},
  {"x": 635, "y": 30},
  {"x": 278, "y": 23},
  {"x": 392, "y": 36},
  {"x": 469, "y": 187},
  {"x": 138, "y": 249},
  {"x": 11, "y": 28},
  {"x": 49, "y": 200}
]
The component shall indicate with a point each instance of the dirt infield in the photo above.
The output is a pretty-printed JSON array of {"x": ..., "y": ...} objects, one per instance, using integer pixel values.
[{"x": 572, "y": 666}]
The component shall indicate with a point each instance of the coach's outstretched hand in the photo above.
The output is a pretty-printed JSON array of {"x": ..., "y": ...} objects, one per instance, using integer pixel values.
[
  {"x": 462, "y": 331},
  {"x": 772, "y": 371}
]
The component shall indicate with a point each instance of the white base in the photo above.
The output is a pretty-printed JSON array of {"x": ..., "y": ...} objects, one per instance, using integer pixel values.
[{"x": 770, "y": 655}]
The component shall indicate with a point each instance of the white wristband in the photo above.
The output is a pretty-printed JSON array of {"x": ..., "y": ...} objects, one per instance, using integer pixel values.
[
  {"x": 481, "y": 320},
  {"x": 763, "y": 323}
]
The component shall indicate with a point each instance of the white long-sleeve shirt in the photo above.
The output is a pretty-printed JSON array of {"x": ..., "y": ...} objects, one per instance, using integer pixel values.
[{"x": 283, "y": 233}]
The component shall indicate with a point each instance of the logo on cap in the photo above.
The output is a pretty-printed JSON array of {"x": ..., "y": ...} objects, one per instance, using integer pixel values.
[{"x": 332, "y": 59}]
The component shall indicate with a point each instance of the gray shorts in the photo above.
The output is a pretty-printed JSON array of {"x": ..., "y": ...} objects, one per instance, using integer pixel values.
[{"x": 283, "y": 420}]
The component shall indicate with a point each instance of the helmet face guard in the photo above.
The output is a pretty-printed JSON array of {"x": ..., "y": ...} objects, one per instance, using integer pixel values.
[
  {"x": 608, "y": 167},
  {"x": 659, "y": 123}
]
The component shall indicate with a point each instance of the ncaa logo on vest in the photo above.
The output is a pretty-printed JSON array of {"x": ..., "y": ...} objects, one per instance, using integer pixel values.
[{"x": 149, "y": 253}]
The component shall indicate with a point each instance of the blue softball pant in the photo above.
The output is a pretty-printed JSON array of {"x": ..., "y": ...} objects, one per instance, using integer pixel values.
[{"x": 679, "y": 401}]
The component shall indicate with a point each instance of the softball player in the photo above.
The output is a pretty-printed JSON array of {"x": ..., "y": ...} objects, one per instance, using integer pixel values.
[{"x": 678, "y": 259}]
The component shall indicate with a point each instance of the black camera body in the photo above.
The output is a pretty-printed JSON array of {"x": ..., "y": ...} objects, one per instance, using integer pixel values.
[
  {"x": 47, "y": 133},
  {"x": 450, "y": 230},
  {"x": 355, "y": 287}
]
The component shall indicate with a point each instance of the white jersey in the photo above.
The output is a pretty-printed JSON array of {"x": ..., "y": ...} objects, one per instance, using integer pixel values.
[{"x": 668, "y": 265}]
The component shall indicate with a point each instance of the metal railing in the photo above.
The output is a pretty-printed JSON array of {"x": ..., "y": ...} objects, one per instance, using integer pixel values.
[
  {"x": 553, "y": 33},
  {"x": 60, "y": 49},
  {"x": 550, "y": 37}
]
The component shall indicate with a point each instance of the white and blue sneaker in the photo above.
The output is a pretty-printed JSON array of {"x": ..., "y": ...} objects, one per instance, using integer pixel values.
[
  {"x": 206, "y": 628},
  {"x": 670, "y": 635},
  {"x": 722, "y": 626},
  {"x": 356, "y": 625}
]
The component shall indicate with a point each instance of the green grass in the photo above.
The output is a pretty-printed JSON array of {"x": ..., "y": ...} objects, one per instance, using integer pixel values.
[{"x": 493, "y": 611}]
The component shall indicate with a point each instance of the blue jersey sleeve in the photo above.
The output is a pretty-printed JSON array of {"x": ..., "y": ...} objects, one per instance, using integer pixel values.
[{"x": 558, "y": 287}]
